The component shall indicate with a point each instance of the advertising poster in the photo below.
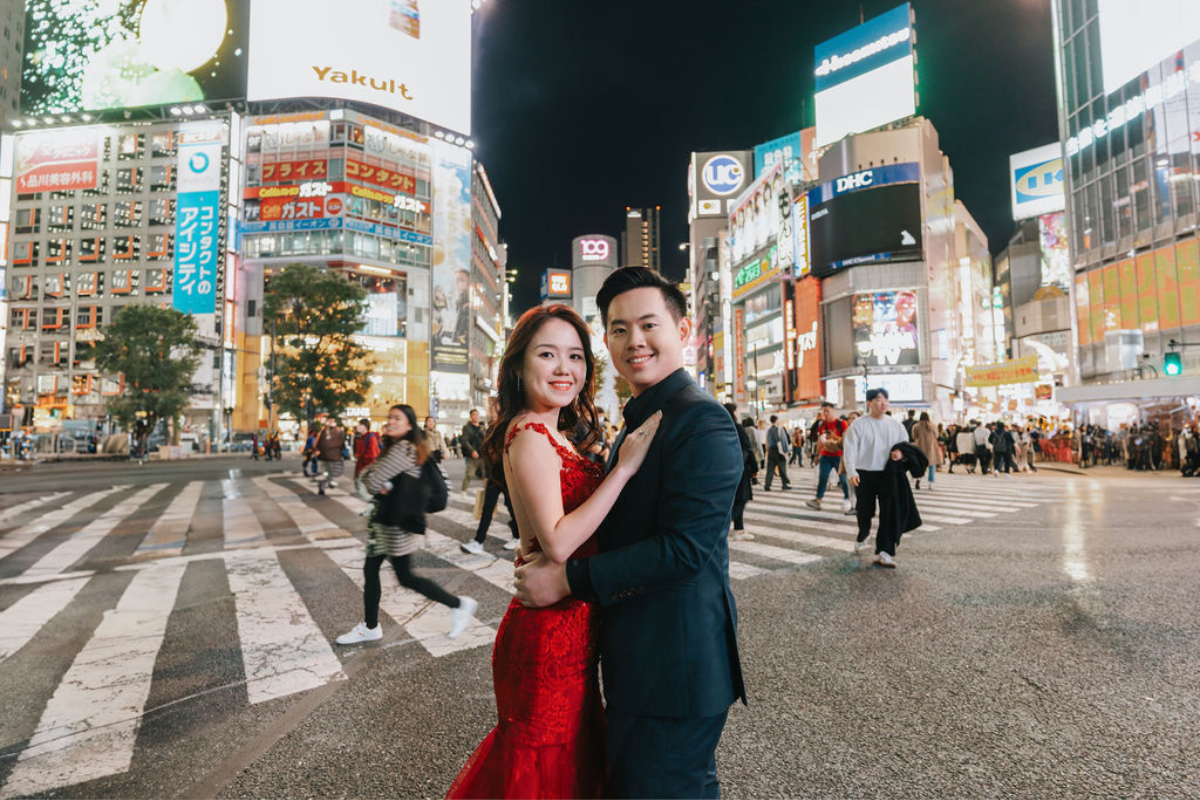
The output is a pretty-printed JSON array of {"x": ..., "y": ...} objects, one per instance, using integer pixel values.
[
  {"x": 1147, "y": 293},
  {"x": 411, "y": 56},
  {"x": 1082, "y": 304},
  {"x": 1006, "y": 373},
  {"x": 800, "y": 249},
  {"x": 89, "y": 56},
  {"x": 864, "y": 77},
  {"x": 885, "y": 329},
  {"x": 794, "y": 150},
  {"x": 759, "y": 215},
  {"x": 1168, "y": 289},
  {"x": 197, "y": 225},
  {"x": 1127, "y": 281},
  {"x": 1056, "y": 256},
  {"x": 1036, "y": 181},
  {"x": 809, "y": 385},
  {"x": 739, "y": 354},
  {"x": 451, "y": 273},
  {"x": 1187, "y": 256},
  {"x": 57, "y": 161}
]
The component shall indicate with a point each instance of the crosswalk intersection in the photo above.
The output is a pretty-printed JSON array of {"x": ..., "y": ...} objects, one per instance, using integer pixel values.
[{"x": 107, "y": 566}]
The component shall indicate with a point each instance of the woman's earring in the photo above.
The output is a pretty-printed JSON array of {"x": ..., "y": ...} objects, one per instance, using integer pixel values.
[{"x": 519, "y": 387}]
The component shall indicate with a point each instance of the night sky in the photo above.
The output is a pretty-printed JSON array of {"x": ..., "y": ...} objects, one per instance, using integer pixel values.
[{"x": 582, "y": 109}]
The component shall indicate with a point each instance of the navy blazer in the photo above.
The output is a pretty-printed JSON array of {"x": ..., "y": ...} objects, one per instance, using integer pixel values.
[{"x": 668, "y": 635}]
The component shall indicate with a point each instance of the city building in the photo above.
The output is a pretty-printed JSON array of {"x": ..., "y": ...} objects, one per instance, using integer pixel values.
[
  {"x": 12, "y": 24},
  {"x": 194, "y": 205},
  {"x": 1129, "y": 101},
  {"x": 641, "y": 241},
  {"x": 593, "y": 259}
]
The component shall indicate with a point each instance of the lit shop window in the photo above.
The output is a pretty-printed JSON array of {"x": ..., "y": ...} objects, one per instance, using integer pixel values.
[
  {"x": 158, "y": 246},
  {"x": 123, "y": 281},
  {"x": 91, "y": 249}
]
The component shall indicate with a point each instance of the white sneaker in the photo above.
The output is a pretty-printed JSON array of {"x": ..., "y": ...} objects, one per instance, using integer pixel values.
[
  {"x": 860, "y": 546},
  {"x": 333, "y": 484},
  {"x": 471, "y": 547},
  {"x": 361, "y": 633},
  {"x": 847, "y": 508},
  {"x": 512, "y": 544},
  {"x": 462, "y": 616},
  {"x": 885, "y": 560},
  {"x": 741, "y": 536}
]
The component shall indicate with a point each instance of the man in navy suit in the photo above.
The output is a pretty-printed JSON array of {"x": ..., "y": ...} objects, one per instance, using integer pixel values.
[{"x": 668, "y": 642}]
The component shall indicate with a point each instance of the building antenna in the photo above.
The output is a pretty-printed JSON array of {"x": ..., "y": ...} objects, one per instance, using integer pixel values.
[{"x": 860, "y": 14}]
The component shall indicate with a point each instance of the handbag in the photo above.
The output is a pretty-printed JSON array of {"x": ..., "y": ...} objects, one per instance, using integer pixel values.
[{"x": 477, "y": 512}]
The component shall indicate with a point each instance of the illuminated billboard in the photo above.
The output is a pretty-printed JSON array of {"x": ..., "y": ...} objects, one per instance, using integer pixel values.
[
  {"x": 62, "y": 161},
  {"x": 556, "y": 285},
  {"x": 451, "y": 273},
  {"x": 409, "y": 56},
  {"x": 839, "y": 238},
  {"x": 1035, "y": 182},
  {"x": 1136, "y": 36},
  {"x": 864, "y": 77},
  {"x": 595, "y": 250},
  {"x": 717, "y": 177},
  {"x": 761, "y": 214},
  {"x": 885, "y": 329},
  {"x": 89, "y": 56}
]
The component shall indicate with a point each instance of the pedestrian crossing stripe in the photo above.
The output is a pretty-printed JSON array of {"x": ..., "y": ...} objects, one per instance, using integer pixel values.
[{"x": 89, "y": 725}]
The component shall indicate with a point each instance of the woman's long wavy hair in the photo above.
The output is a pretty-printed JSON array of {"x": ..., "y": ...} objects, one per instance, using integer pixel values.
[{"x": 579, "y": 420}]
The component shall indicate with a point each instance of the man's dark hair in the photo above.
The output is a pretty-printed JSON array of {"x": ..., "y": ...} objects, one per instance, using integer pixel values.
[
  {"x": 628, "y": 278},
  {"x": 911, "y": 413},
  {"x": 774, "y": 419},
  {"x": 873, "y": 393},
  {"x": 827, "y": 404}
]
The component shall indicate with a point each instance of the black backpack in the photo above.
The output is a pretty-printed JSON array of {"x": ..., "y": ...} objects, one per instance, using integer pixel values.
[{"x": 433, "y": 475}]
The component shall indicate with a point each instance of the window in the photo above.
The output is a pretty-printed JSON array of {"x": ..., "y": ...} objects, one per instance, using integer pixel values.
[
  {"x": 58, "y": 251},
  {"x": 85, "y": 355},
  {"x": 25, "y": 254},
  {"x": 23, "y": 287},
  {"x": 129, "y": 180},
  {"x": 56, "y": 285},
  {"x": 162, "y": 211},
  {"x": 87, "y": 284},
  {"x": 91, "y": 249},
  {"x": 81, "y": 384},
  {"x": 87, "y": 316},
  {"x": 123, "y": 281},
  {"x": 53, "y": 354},
  {"x": 60, "y": 218},
  {"x": 158, "y": 246},
  {"x": 162, "y": 178},
  {"x": 23, "y": 319},
  {"x": 158, "y": 281},
  {"x": 27, "y": 220},
  {"x": 19, "y": 356},
  {"x": 130, "y": 145},
  {"x": 162, "y": 144},
  {"x": 127, "y": 214},
  {"x": 126, "y": 247},
  {"x": 93, "y": 216},
  {"x": 54, "y": 318}
]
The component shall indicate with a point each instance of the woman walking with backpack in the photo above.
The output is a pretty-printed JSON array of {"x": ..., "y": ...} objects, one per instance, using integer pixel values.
[{"x": 406, "y": 452}]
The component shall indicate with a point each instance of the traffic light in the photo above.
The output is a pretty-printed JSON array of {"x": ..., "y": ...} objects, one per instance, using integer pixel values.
[{"x": 1172, "y": 364}]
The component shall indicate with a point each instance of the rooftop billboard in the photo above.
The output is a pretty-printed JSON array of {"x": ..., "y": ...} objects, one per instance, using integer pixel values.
[
  {"x": 91, "y": 56},
  {"x": 1035, "y": 181},
  {"x": 864, "y": 77}
]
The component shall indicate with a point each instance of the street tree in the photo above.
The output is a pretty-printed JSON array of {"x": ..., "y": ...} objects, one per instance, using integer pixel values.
[
  {"x": 313, "y": 314},
  {"x": 155, "y": 351}
]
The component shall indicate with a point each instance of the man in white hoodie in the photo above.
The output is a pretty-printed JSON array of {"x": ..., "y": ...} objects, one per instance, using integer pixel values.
[{"x": 868, "y": 446}]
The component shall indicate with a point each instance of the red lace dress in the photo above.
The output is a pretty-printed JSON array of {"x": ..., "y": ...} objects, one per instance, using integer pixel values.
[{"x": 550, "y": 739}]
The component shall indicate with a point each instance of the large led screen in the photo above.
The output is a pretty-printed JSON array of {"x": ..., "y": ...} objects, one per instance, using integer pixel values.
[
  {"x": 882, "y": 224},
  {"x": 412, "y": 56},
  {"x": 885, "y": 329},
  {"x": 1135, "y": 36},
  {"x": 864, "y": 77},
  {"x": 90, "y": 56}
]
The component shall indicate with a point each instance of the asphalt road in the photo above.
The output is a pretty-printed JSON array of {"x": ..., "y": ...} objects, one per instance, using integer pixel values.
[{"x": 1042, "y": 641}]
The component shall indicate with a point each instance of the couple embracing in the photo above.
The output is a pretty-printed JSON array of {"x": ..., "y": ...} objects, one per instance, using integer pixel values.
[{"x": 625, "y": 567}]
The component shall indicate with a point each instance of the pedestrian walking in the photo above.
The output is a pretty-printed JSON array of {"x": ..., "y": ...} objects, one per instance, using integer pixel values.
[
  {"x": 406, "y": 452},
  {"x": 761, "y": 433},
  {"x": 830, "y": 434},
  {"x": 491, "y": 495},
  {"x": 308, "y": 464},
  {"x": 777, "y": 452},
  {"x": 870, "y": 444},
  {"x": 797, "y": 439},
  {"x": 471, "y": 443},
  {"x": 367, "y": 446},
  {"x": 745, "y": 492},
  {"x": 982, "y": 447},
  {"x": 909, "y": 422},
  {"x": 965, "y": 444},
  {"x": 438, "y": 449},
  {"x": 1003, "y": 445},
  {"x": 332, "y": 451},
  {"x": 926, "y": 438}
]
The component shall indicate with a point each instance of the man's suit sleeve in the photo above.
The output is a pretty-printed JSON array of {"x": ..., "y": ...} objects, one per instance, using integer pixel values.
[{"x": 702, "y": 469}]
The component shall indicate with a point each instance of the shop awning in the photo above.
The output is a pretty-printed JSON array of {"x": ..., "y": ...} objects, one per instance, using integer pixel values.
[{"x": 1131, "y": 391}]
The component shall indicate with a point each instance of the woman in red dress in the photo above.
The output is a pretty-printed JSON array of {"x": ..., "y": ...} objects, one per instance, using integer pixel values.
[{"x": 549, "y": 742}]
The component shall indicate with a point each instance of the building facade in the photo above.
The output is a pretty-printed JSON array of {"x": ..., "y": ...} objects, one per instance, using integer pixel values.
[{"x": 641, "y": 241}]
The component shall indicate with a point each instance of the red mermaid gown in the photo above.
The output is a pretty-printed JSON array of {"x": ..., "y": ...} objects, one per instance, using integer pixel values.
[{"x": 549, "y": 742}]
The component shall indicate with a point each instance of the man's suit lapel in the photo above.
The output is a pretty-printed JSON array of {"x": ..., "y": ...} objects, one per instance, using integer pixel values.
[{"x": 615, "y": 452}]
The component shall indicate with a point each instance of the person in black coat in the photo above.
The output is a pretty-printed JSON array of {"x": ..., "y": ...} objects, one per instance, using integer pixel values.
[
  {"x": 745, "y": 492},
  {"x": 668, "y": 638},
  {"x": 899, "y": 513}
]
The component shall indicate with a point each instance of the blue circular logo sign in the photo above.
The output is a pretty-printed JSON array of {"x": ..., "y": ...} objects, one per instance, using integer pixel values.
[
  {"x": 723, "y": 174},
  {"x": 198, "y": 163}
]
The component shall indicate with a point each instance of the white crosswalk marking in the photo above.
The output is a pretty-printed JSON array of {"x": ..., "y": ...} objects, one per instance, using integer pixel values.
[
  {"x": 785, "y": 554},
  {"x": 240, "y": 525},
  {"x": 71, "y": 550},
  {"x": 314, "y": 525},
  {"x": 169, "y": 533},
  {"x": 21, "y": 621},
  {"x": 11, "y": 542},
  {"x": 283, "y": 650},
  {"x": 89, "y": 727},
  {"x": 7, "y": 515}
]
